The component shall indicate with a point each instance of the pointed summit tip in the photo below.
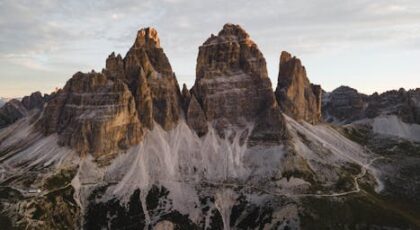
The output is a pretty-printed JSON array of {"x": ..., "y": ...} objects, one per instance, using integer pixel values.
[
  {"x": 147, "y": 37},
  {"x": 285, "y": 57},
  {"x": 230, "y": 33},
  {"x": 236, "y": 30}
]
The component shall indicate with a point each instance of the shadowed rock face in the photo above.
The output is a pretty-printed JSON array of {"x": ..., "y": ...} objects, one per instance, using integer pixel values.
[
  {"x": 404, "y": 104},
  {"x": 12, "y": 111},
  {"x": 15, "y": 109},
  {"x": 296, "y": 96},
  {"x": 345, "y": 105},
  {"x": 232, "y": 85},
  {"x": 35, "y": 100}
]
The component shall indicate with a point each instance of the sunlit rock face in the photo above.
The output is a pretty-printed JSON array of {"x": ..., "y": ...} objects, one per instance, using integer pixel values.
[
  {"x": 297, "y": 97},
  {"x": 148, "y": 73},
  {"x": 232, "y": 85},
  {"x": 96, "y": 115}
]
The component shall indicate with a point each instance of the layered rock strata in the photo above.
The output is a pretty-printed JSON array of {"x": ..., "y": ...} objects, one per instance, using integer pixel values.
[
  {"x": 95, "y": 115},
  {"x": 147, "y": 72},
  {"x": 232, "y": 87}
]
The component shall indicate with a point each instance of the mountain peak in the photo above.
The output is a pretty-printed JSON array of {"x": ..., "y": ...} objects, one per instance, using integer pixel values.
[
  {"x": 233, "y": 30},
  {"x": 147, "y": 37},
  {"x": 230, "y": 33},
  {"x": 296, "y": 96},
  {"x": 232, "y": 85}
]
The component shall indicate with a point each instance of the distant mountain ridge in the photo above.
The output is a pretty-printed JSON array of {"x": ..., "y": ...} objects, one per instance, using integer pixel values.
[{"x": 346, "y": 105}]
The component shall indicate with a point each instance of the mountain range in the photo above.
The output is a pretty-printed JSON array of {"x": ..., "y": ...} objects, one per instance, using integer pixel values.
[{"x": 128, "y": 148}]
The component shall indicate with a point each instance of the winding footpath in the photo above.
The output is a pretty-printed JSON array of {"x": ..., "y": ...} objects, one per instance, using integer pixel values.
[{"x": 355, "y": 179}]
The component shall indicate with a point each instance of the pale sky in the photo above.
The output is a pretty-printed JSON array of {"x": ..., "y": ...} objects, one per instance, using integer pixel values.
[{"x": 369, "y": 45}]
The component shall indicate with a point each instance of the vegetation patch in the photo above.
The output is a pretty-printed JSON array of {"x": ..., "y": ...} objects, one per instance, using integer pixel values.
[
  {"x": 353, "y": 212},
  {"x": 60, "y": 179},
  {"x": 359, "y": 135}
]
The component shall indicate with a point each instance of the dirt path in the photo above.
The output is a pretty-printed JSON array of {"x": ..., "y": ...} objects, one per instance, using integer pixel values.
[{"x": 355, "y": 179}]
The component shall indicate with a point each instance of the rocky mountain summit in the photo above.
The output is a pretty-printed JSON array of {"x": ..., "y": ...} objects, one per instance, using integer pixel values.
[
  {"x": 297, "y": 97},
  {"x": 125, "y": 148},
  {"x": 103, "y": 113},
  {"x": 232, "y": 87}
]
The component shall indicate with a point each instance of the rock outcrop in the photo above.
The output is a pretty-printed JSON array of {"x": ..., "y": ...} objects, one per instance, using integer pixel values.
[
  {"x": 344, "y": 105},
  {"x": 185, "y": 98},
  {"x": 94, "y": 115},
  {"x": 232, "y": 86},
  {"x": 297, "y": 97},
  {"x": 12, "y": 111},
  {"x": 196, "y": 117},
  {"x": 15, "y": 109}
]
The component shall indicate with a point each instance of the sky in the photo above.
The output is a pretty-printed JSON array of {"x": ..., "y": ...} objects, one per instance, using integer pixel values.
[{"x": 368, "y": 45}]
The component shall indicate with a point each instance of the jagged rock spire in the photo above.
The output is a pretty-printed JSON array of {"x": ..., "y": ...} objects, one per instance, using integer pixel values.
[
  {"x": 296, "y": 96},
  {"x": 147, "y": 37},
  {"x": 101, "y": 113}
]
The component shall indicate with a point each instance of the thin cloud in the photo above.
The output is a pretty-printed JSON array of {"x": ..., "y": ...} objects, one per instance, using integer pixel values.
[{"x": 62, "y": 36}]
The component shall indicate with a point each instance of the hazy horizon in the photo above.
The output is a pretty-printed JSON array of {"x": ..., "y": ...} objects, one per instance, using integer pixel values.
[{"x": 370, "y": 46}]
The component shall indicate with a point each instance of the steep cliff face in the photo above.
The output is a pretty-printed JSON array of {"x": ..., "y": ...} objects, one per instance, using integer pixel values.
[
  {"x": 148, "y": 73},
  {"x": 296, "y": 96},
  {"x": 232, "y": 86},
  {"x": 95, "y": 115}
]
